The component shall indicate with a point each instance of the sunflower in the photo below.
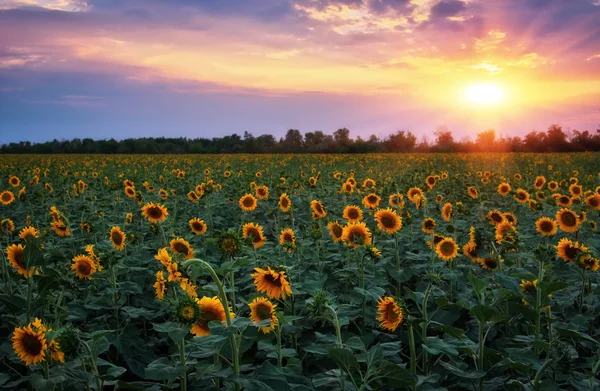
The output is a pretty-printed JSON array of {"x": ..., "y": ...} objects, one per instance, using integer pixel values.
[
  {"x": 262, "y": 309},
  {"x": 388, "y": 221},
  {"x": 505, "y": 231},
  {"x": 14, "y": 181},
  {"x": 447, "y": 211},
  {"x": 7, "y": 197},
  {"x": 473, "y": 192},
  {"x": 7, "y": 225},
  {"x": 593, "y": 201},
  {"x": 335, "y": 231},
  {"x": 262, "y": 192},
  {"x": 540, "y": 195},
  {"x": 552, "y": 185},
  {"x": 371, "y": 201},
  {"x": 187, "y": 310},
  {"x": 159, "y": 285},
  {"x": 503, "y": 189},
  {"x": 522, "y": 196},
  {"x": 428, "y": 225},
  {"x": 55, "y": 353},
  {"x": 528, "y": 286},
  {"x": 117, "y": 238},
  {"x": 163, "y": 194},
  {"x": 193, "y": 196},
  {"x": 198, "y": 226},
  {"x": 16, "y": 257},
  {"x": 568, "y": 221},
  {"x": 446, "y": 249},
  {"x": 83, "y": 266},
  {"x": 488, "y": 263},
  {"x": 414, "y": 193},
  {"x": 563, "y": 200},
  {"x": 470, "y": 250},
  {"x": 430, "y": 181},
  {"x": 29, "y": 343},
  {"x": 510, "y": 217},
  {"x": 229, "y": 243},
  {"x": 287, "y": 237},
  {"x": 569, "y": 251},
  {"x": 254, "y": 231},
  {"x": 317, "y": 209},
  {"x": 368, "y": 183},
  {"x": 352, "y": 213},
  {"x": 356, "y": 234},
  {"x": 181, "y": 246},
  {"x": 29, "y": 233},
  {"x": 130, "y": 191},
  {"x": 211, "y": 309},
  {"x": 155, "y": 213},
  {"x": 60, "y": 228},
  {"x": 575, "y": 190},
  {"x": 272, "y": 282},
  {"x": 545, "y": 226},
  {"x": 540, "y": 181},
  {"x": 588, "y": 262},
  {"x": 248, "y": 203},
  {"x": 396, "y": 200},
  {"x": 347, "y": 188},
  {"x": 495, "y": 217},
  {"x": 284, "y": 203},
  {"x": 389, "y": 313}
]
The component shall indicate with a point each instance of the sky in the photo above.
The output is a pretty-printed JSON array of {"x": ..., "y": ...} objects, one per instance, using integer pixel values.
[{"x": 208, "y": 68}]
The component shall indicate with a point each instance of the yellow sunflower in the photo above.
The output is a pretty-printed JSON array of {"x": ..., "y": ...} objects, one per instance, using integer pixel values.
[
  {"x": 7, "y": 197},
  {"x": 130, "y": 192},
  {"x": 317, "y": 209},
  {"x": 60, "y": 228},
  {"x": 545, "y": 226},
  {"x": 284, "y": 203},
  {"x": 470, "y": 250},
  {"x": 552, "y": 185},
  {"x": 117, "y": 238},
  {"x": 563, "y": 200},
  {"x": 271, "y": 282},
  {"x": 371, "y": 201},
  {"x": 576, "y": 190},
  {"x": 29, "y": 233},
  {"x": 522, "y": 196},
  {"x": 569, "y": 251},
  {"x": 388, "y": 221},
  {"x": 335, "y": 231},
  {"x": 198, "y": 226},
  {"x": 428, "y": 225},
  {"x": 262, "y": 309},
  {"x": 181, "y": 246},
  {"x": 415, "y": 193},
  {"x": 248, "y": 203},
  {"x": 55, "y": 353},
  {"x": 540, "y": 181},
  {"x": 488, "y": 263},
  {"x": 503, "y": 189},
  {"x": 83, "y": 266},
  {"x": 495, "y": 217},
  {"x": 505, "y": 231},
  {"x": 16, "y": 257},
  {"x": 473, "y": 192},
  {"x": 262, "y": 192},
  {"x": 389, "y": 313},
  {"x": 396, "y": 200},
  {"x": 14, "y": 181},
  {"x": 211, "y": 309},
  {"x": 510, "y": 217},
  {"x": 356, "y": 234},
  {"x": 446, "y": 249},
  {"x": 430, "y": 181},
  {"x": 254, "y": 231},
  {"x": 287, "y": 237},
  {"x": 588, "y": 262},
  {"x": 155, "y": 213},
  {"x": 29, "y": 343},
  {"x": 568, "y": 221},
  {"x": 593, "y": 201},
  {"x": 352, "y": 213},
  {"x": 7, "y": 225},
  {"x": 447, "y": 211}
]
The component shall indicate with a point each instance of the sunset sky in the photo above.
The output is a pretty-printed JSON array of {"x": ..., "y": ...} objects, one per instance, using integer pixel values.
[{"x": 205, "y": 68}]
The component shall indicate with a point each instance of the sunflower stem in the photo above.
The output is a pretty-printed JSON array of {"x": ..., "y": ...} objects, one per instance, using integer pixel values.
[
  {"x": 29, "y": 286},
  {"x": 182, "y": 362},
  {"x": 279, "y": 356},
  {"x": 538, "y": 375},
  {"x": 397, "y": 255},
  {"x": 538, "y": 302},
  {"x": 336, "y": 323},
  {"x": 481, "y": 353},
  {"x": 413, "y": 353},
  {"x": 424, "y": 327}
]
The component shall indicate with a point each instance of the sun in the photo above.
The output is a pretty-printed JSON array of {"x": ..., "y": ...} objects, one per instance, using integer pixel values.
[{"x": 484, "y": 94}]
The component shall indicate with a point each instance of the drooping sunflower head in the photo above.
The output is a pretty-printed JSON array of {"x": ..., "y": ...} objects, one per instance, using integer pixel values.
[
  {"x": 388, "y": 221},
  {"x": 248, "y": 203},
  {"x": 261, "y": 309},
  {"x": 522, "y": 196},
  {"x": 356, "y": 234},
  {"x": 505, "y": 232},
  {"x": 540, "y": 181},
  {"x": 588, "y": 262},
  {"x": 262, "y": 192},
  {"x": 545, "y": 226},
  {"x": 83, "y": 266},
  {"x": 318, "y": 209},
  {"x": 568, "y": 220},
  {"x": 155, "y": 213},
  {"x": 396, "y": 200},
  {"x": 473, "y": 192},
  {"x": 428, "y": 225},
  {"x": 510, "y": 217},
  {"x": 593, "y": 201},
  {"x": 285, "y": 203},
  {"x": 16, "y": 257},
  {"x": 211, "y": 309},
  {"x": 503, "y": 189},
  {"x": 198, "y": 226},
  {"x": 389, "y": 313},
  {"x": 117, "y": 238},
  {"x": 7, "y": 225},
  {"x": 271, "y": 282},
  {"x": 187, "y": 310},
  {"x": 488, "y": 263},
  {"x": 495, "y": 217},
  {"x": 447, "y": 211},
  {"x": 30, "y": 344},
  {"x": 255, "y": 233},
  {"x": 29, "y": 233},
  {"x": 352, "y": 213},
  {"x": 181, "y": 246},
  {"x": 446, "y": 249},
  {"x": 60, "y": 228},
  {"x": 569, "y": 251},
  {"x": 335, "y": 231},
  {"x": 287, "y": 237}
]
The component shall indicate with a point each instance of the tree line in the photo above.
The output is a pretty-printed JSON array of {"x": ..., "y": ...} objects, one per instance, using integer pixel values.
[{"x": 555, "y": 139}]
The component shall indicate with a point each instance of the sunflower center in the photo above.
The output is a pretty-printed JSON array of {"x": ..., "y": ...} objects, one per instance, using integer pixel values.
[
  {"x": 318, "y": 208},
  {"x": 154, "y": 212},
  {"x": 84, "y": 268},
  {"x": 372, "y": 199},
  {"x": 180, "y": 248},
  {"x": 490, "y": 263},
  {"x": 117, "y": 238},
  {"x": 571, "y": 252},
  {"x": 496, "y": 217},
  {"x": 272, "y": 280},
  {"x": 569, "y": 219},
  {"x": 390, "y": 314},
  {"x": 337, "y": 230},
  {"x": 284, "y": 202},
  {"x": 356, "y": 235},
  {"x": 287, "y": 237},
  {"x": 263, "y": 312},
  {"x": 5, "y": 197},
  {"x": 563, "y": 200},
  {"x": 447, "y": 248},
  {"x": 197, "y": 226},
  {"x": 248, "y": 202},
  {"x": 19, "y": 259},
  {"x": 388, "y": 221},
  {"x": 546, "y": 226},
  {"x": 353, "y": 214},
  {"x": 32, "y": 344}
]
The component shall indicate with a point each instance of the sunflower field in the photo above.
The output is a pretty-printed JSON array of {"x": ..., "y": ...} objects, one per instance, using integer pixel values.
[{"x": 300, "y": 272}]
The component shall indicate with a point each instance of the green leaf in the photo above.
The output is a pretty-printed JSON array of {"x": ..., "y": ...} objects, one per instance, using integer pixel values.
[
  {"x": 176, "y": 331},
  {"x": 355, "y": 343},
  {"x": 575, "y": 334},
  {"x": 344, "y": 359},
  {"x": 162, "y": 369},
  {"x": 549, "y": 287},
  {"x": 484, "y": 313},
  {"x": 396, "y": 376},
  {"x": 460, "y": 373}
]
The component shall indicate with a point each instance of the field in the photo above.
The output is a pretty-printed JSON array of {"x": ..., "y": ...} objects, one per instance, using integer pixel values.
[{"x": 300, "y": 272}]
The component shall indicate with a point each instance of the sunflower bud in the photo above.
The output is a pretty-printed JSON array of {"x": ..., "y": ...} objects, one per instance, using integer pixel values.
[
  {"x": 68, "y": 340},
  {"x": 187, "y": 310}
]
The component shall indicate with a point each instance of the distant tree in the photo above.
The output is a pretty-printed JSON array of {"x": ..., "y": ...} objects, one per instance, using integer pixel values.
[
  {"x": 556, "y": 139},
  {"x": 486, "y": 140},
  {"x": 401, "y": 141},
  {"x": 444, "y": 139}
]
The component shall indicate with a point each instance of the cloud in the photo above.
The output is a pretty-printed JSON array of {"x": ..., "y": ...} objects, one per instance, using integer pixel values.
[{"x": 447, "y": 8}]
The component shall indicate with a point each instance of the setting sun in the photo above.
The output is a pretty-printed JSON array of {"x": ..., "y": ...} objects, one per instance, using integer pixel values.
[{"x": 484, "y": 94}]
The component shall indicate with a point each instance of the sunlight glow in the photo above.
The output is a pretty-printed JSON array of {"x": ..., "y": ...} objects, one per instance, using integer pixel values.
[{"x": 484, "y": 94}]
